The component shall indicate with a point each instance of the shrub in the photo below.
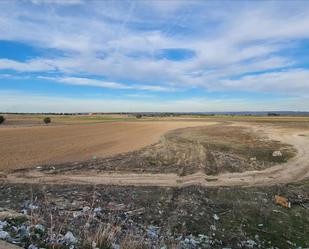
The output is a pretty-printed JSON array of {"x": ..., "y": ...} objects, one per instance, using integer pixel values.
[
  {"x": 138, "y": 116},
  {"x": 47, "y": 120},
  {"x": 2, "y": 119}
]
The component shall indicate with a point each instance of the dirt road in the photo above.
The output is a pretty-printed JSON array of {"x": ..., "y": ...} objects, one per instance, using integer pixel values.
[
  {"x": 294, "y": 170},
  {"x": 29, "y": 146}
]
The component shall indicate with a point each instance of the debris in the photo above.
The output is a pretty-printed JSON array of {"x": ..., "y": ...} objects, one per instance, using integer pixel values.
[
  {"x": 86, "y": 208},
  {"x": 212, "y": 227},
  {"x": 277, "y": 153},
  {"x": 40, "y": 227},
  {"x": 135, "y": 212},
  {"x": 298, "y": 200},
  {"x": 69, "y": 238},
  {"x": 152, "y": 232},
  {"x": 250, "y": 243},
  {"x": 97, "y": 210},
  {"x": 4, "y": 235},
  {"x": 282, "y": 201},
  {"x": 77, "y": 214},
  {"x": 33, "y": 207},
  {"x": 3, "y": 224}
]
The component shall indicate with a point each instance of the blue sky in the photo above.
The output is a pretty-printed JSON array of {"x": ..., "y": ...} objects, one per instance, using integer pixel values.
[{"x": 112, "y": 56}]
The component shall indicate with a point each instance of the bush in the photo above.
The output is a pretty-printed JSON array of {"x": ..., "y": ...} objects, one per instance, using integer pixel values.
[
  {"x": 138, "y": 116},
  {"x": 47, "y": 120},
  {"x": 2, "y": 119}
]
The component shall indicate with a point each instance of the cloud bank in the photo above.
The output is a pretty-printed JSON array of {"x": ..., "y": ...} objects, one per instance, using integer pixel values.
[{"x": 258, "y": 47}]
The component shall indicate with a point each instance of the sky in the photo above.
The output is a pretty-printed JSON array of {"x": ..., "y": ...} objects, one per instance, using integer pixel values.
[{"x": 155, "y": 56}]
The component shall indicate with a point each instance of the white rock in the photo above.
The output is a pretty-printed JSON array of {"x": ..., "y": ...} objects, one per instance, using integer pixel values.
[
  {"x": 32, "y": 247},
  {"x": 40, "y": 227},
  {"x": 33, "y": 207},
  {"x": 69, "y": 238},
  {"x": 85, "y": 209},
  {"x": 277, "y": 153},
  {"x": 77, "y": 214},
  {"x": 250, "y": 243},
  {"x": 4, "y": 235},
  {"x": 97, "y": 210},
  {"x": 216, "y": 217}
]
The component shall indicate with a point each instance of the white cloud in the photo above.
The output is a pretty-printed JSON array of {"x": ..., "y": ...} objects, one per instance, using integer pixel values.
[
  {"x": 104, "y": 84},
  {"x": 101, "y": 39},
  {"x": 28, "y": 66}
]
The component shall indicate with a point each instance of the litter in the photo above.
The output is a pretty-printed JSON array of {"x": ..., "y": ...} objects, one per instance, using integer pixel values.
[{"x": 282, "y": 201}]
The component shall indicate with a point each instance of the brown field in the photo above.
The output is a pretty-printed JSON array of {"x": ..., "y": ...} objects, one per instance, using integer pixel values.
[{"x": 38, "y": 144}]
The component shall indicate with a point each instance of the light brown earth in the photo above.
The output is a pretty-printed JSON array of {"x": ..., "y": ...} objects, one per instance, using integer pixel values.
[
  {"x": 295, "y": 169},
  {"x": 23, "y": 147}
]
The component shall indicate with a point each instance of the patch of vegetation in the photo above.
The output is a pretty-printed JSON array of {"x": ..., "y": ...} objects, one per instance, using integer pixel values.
[
  {"x": 2, "y": 119},
  {"x": 232, "y": 217},
  {"x": 47, "y": 120}
]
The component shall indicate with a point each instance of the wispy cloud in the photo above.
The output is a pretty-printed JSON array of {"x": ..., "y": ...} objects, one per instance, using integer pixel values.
[
  {"x": 235, "y": 46},
  {"x": 104, "y": 84}
]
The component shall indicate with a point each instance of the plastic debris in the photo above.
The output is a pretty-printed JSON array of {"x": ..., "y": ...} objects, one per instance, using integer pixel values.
[
  {"x": 282, "y": 201},
  {"x": 4, "y": 235},
  {"x": 69, "y": 238}
]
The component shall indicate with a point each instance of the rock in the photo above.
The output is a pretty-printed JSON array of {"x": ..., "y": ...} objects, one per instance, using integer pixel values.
[
  {"x": 212, "y": 227},
  {"x": 250, "y": 243},
  {"x": 152, "y": 232},
  {"x": 4, "y": 235},
  {"x": 69, "y": 238},
  {"x": 97, "y": 210},
  {"x": 115, "y": 246},
  {"x": 86, "y": 208},
  {"x": 33, "y": 207},
  {"x": 40, "y": 227},
  {"x": 253, "y": 159},
  {"x": 3, "y": 224},
  {"x": 77, "y": 214},
  {"x": 216, "y": 217},
  {"x": 277, "y": 153},
  {"x": 32, "y": 247}
]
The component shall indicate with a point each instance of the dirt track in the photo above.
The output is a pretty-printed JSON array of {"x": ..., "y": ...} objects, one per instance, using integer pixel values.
[
  {"x": 294, "y": 170},
  {"x": 30, "y": 146}
]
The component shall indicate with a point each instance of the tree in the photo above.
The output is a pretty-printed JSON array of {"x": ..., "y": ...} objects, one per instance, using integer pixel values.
[
  {"x": 138, "y": 116},
  {"x": 47, "y": 120},
  {"x": 2, "y": 119}
]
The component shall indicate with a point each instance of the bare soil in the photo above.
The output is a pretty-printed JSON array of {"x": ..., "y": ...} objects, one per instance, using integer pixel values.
[
  {"x": 210, "y": 149},
  {"x": 29, "y": 146}
]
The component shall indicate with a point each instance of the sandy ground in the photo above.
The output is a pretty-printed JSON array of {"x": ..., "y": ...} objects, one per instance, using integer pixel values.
[
  {"x": 29, "y": 146},
  {"x": 295, "y": 169}
]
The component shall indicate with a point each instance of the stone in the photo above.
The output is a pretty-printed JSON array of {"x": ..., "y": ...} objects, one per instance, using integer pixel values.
[
  {"x": 70, "y": 238},
  {"x": 277, "y": 153}
]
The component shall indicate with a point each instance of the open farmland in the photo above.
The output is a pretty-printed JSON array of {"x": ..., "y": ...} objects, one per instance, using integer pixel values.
[
  {"x": 157, "y": 182},
  {"x": 39, "y": 144}
]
